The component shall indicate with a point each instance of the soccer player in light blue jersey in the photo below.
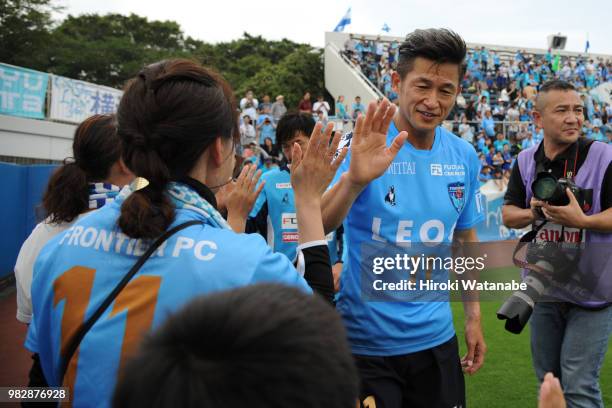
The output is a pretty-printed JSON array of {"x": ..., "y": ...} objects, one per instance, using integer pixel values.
[
  {"x": 273, "y": 214},
  {"x": 407, "y": 180}
]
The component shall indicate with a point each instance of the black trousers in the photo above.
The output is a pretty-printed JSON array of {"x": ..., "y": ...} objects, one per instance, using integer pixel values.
[
  {"x": 430, "y": 378},
  {"x": 37, "y": 379}
]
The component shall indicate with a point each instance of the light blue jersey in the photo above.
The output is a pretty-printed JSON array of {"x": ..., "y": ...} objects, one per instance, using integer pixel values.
[
  {"x": 422, "y": 197},
  {"x": 79, "y": 268},
  {"x": 274, "y": 212}
]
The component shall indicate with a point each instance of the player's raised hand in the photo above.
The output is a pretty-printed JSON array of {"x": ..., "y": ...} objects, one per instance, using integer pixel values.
[
  {"x": 370, "y": 155},
  {"x": 314, "y": 169}
]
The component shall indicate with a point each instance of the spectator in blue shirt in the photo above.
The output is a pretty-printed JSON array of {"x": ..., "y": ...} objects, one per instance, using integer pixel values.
[
  {"x": 357, "y": 107},
  {"x": 507, "y": 156},
  {"x": 266, "y": 130},
  {"x": 500, "y": 143},
  {"x": 496, "y": 60},
  {"x": 528, "y": 142},
  {"x": 480, "y": 142},
  {"x": 488, "y": 124},
  {"x": 523, "y": 115},
  {"x": 484, "y": 58},
  {"x": 597, "y": 135},
  {"x": 538, "y": 134},
  {"x": 341, "y": 109}
]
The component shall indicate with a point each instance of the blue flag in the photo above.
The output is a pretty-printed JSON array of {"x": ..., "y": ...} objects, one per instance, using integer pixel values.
[
  {"x": 346, "y": 20},
  {"x": 386, "y": 28},
  {"x": 587, "y": 46}
]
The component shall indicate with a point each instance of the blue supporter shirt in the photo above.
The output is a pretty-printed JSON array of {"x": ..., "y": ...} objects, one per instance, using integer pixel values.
[
  {"x": 499, "y": 144},
  {"x": 423, "y": 207},
  {"x": 77, "y": 270},
  {"x": 267, "y": 131},
  {"x": 488, "y": 124},
  {"x": 480, "y": 144}
]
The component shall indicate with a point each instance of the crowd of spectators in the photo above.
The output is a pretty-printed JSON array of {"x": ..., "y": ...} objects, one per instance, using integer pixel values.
[
  {"x": 494, "y": 110},
  {"x": 258, "y": 122}
]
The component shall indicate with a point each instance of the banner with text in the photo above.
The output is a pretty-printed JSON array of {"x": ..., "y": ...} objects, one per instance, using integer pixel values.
[
  {"x": 73, "y": 101},
  {"x": 22, "y": 92}
]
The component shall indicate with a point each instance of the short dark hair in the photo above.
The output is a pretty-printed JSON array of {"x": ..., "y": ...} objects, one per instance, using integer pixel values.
[
  {"x": 553, "y": 85},
  {"x": 557, "y": 85},
  {"x": 264, "y": 345},
  {"x": 292, "y": 123},
  {"x": 435, "y": 44}
]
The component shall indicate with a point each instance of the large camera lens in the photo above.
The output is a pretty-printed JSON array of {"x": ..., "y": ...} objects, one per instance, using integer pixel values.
[{"x": 545, "y": 187}]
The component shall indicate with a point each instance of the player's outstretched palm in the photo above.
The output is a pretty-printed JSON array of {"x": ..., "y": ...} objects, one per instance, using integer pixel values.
[
  {"x": 314, "y": 169},
  {"x": 370, "y": 156}
]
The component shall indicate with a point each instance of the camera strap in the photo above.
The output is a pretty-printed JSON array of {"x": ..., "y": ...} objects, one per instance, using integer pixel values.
[
  {"x": 525, "y": 240},
  {"x": 572, "y": 166},
  {"x": 569, "y": 167}
]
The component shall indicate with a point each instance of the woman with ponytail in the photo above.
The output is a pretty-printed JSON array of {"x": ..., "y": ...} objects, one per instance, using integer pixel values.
[
  {"x": 178, "y": 128},
  {"x": 92, "y": 178}
]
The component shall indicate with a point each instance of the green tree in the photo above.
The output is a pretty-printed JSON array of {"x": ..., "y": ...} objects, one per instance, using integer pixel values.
[
  {"x": 266, "y": 67},
  {"x": 300, "y": 71},
  {"x": 110, "y": 49},
  {"x": 24, "y": 30}
]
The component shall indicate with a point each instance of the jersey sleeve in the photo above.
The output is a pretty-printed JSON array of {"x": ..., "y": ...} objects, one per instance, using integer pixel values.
[
  {"x": 276, "y": 267},
  {"x": 261, "y": 200},
  {"x": 472, "y": 212},
  {"x": 344, "y": 166}
]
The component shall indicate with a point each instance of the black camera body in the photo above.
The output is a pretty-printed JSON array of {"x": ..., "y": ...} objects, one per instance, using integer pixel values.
[
  {"x": 546, "y": 187},
  {"x": 546, "y": 262}
]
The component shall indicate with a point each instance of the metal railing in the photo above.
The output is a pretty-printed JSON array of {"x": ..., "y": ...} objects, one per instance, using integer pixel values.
[{"x": 506, "y": 126}]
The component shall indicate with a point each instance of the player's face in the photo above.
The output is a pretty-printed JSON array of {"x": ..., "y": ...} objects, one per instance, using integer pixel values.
[
  {"x": 561, "y": 114},
  {"x": 287, "y": 147},
  {"x": 427, "y": 93}
]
